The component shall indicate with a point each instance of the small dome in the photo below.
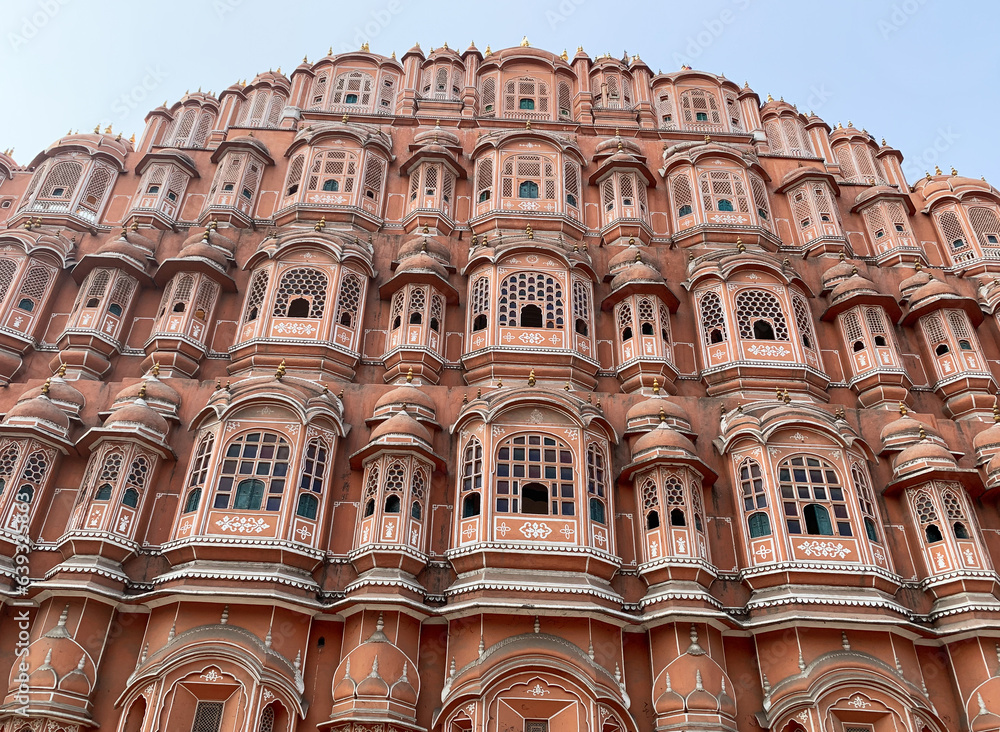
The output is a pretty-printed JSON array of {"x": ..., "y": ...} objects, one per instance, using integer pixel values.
[
  {"x": 662, "y": 438},
  {"x": 921, "y": 455},
  {"x": 624, "y": 258},
  {"x": 648, "y": 412},
  {"x": 126, "y": 249},
  {"x": 424, "y": 244},
  {"x": 40, "y": 409},
  {"x": 211, "y": 236},
  {"x": 701, "y": 700},
  {"x": 914, "y": 281},
  {"x": 155, "y": 393},
  {"x": 201, "y": 250},
  {"x": 422, "y": 262},
  {"x": 853, "y": 285},
  {"x": 137, "y": 414},
  {"x": 401, "y": 424},
  {"x": 905, "y": 431},
  {"x": 987, "y": 441},
  {"x": 436, "y": 136},
  {"x": 618, "y": 143},
  {"x": 61, "y": 393},
  {"x": 638, "y": 272},
  {"x": 934, "y": 288},
  {"x": 406, "y": 395},
  {"x": 837, "y": 273},
  {"x": 373, "y": 685}
]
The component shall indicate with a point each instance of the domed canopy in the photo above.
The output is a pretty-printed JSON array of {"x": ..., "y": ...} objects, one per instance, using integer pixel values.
[
  {"x": 156, "y": 394},
  {"x": 405, "y": 396},
  {"x": 915, "y": 281},
  {"x": 921, "y": 456},
  {"x": 905, "y": 431},
  {"x": 648, "y": 413},
  {"x": 401, "y": 427},
  {"x": 662, "y": 438},
  {"x": 421, "y": 262},
  {"x": 838, "y": 272},
  {"x": 61, "y": 393},
  {"x": 424, "y": 244},
  {"x": 138, "y": 415},
  {"x": 40, "y": 413}
]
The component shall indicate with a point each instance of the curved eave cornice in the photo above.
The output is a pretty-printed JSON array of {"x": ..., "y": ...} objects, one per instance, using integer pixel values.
[
  {"x": 448, "y": 158},
  {"x": 105, "y": 148},
  {"x": 384, "y": 444},
  {"x": 114, "y": 260},
  {"x": 36, "y": 432},
  {"x": 520, "y": 243},
  {"x": 498, "y": 141},
  {"x": 804, "y": 174},
  {"x": 342, "y": 252},
  {"x": 642, "y": 287},
  {"x": 422, "y": 277},
  {"x": 168, "y": 155},
  {"x": 268, "y": 390},
  {"x": 31, "y": 241},
  {"x": 239, "y": 144},
  {"x": 609, "y": 166},
  {"x": 959, "y": 195},
  {"x": 863, "y": 297},
  {"x": 723, "y": 269},
  {"x": 867, "y": 198},
  {"x": 762, "y": 430},
  {"x": 491, "y": 406},
  {"x": 169, "y": 267},
  {"x": 500, "y": 59},
  {"x": 668, "y": 457},
  {"x": 939, "y": 302},
  {"x": 364, "y": 136},
  {"x": 144, "y": 436}
]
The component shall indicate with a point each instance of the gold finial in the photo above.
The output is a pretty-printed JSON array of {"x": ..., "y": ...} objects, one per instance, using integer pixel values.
[
  {"x": 142, "y": 391},
  {"x": 107, "y": 130},
  {"x": 923, "y": 433},
  {"x": 329, "y": 51},
  {"x": 564, "y": 56},
  {"x": 785, "y": 398},
  {"x": 770, "y": 98},
  {"x": 46, "y": 385},
  {"x": 62, "y": 370},
  {"x": 321, "y": 224},
  {"x": 663, "y": 415},
  {"x": 204, "y": 237},
  {"x": 527, "y": 125},
  {"x": 656, "y": 386},
  {"x": 590, "y": 398},
  {"x": 465, "y": 398},
  {"x": 134, "y": 226},
  {"x": 213, "y": 224},
  {"x": 97, "y": 129},
  {"x": 842, "y": 257},
  {"x": 917, "y": 266},
  {"x": 488, "y": 50},
  {"x": 883, "y": 142},
  {"x": 305, "y": 59},
  {"x": 445, "y": 46},
  {"x": 638, "y": 256},
  {"x": 598, "y": 403},
  {"x": 531, "y": 378},
  {"x": 708, "y": 138},
  {"x": 475, "y": 239},
  {"x": 365, "y": 48},
  {"x": 854, "y": 270},
  {"x": 529, "y": 232},
  {"x": 393, "y": 55},
  {"x": 996, "y": 412},
  {"x": 902, "y": 409},
  {"x": 500, "y": 383},
  {"x": 740, "y": 246},
  {"x": 937, "y": 170},
  {"x": 953, "y": 170},
  {"x": 155, "y": 371},
  {"x": 344, "y": 118},
  {"x": 132, "y": 139},
  {"x": 567, "y": 386},
  {"x": 524, "y": 42},
  {"x": 479, "y": 393},
  {"x": 280, "y": 373},
  {"x": 777, "y": 392},
  {"x": 426, "y": 230},
  {"x": 409, "y": 375}
]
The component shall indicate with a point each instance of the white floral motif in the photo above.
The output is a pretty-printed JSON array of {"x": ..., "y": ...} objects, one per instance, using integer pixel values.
[
  {"x": 537, "y": 690},
  {"x": 728, "y": 219},
  {"x": 536, "y": 417},
  {"x": 212, "y": 675},
  {"x": 294, "y": 328},
  {"x": 763, "y": 552},
  {"x": 268, "y": 695},
  {"x": 303, "y": 533},
  {"x": 569, "y": 532},
  {"x": 532, "y": 338},
  {"x": 824, "y": 549},
  {"x": 758, "y": 350},
  {"x": 242, "y": 524},
  {"x": 859, "y": 702},
  {"x": 535, "y": 530},
  {"x": 502, "y": 529}
]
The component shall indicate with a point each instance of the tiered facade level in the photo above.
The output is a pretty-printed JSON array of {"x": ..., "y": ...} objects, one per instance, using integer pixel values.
[{"x": 496, "y": 392}]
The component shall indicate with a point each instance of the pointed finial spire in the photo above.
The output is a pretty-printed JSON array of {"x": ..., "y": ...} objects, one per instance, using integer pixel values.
[
  {"x": 142, "y": 391},
  {"x": 656, "y": 385},
  {"x": 155, "y": 371},
  {"x": 409, "y": 375},
  {"x": 537, "y": 625},
  {"x": 280, "y": 372},
  {"x": 902, "y": 409},
  {"x": 663, "y": 415},
  {"x": 62, "y": 370},
  {"x": 224, "y": 620},
  {"x": 844, "y": 642},
  {"x": 46, "y": 385},
  {"x": 524, "y": 42},
  {"x": 531, "y": 378}
]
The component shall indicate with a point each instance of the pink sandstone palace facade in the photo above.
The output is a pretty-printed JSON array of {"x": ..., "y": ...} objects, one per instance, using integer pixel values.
[{"x": 496, "y": 391}]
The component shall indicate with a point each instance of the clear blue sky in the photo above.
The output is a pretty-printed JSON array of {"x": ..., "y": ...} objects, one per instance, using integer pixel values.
[{"x": 921, "y": 73}]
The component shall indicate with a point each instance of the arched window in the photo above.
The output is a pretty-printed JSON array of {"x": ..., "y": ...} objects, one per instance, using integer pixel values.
[
  {"x": 760, "y": 317},
  {"x": 723, "y": 190},
  {"x": 130, "y": 498},
  {"x": 26, "y": 493},
  {"x": 36, "y": 467},
  {"x": 480, "y": 302},
  {"x": 803, "y": 322},
  {"x": 680, "y": 191},
  {"x": 110, "y": 469},
  {"x": 700, "y": 109},
  {"x": 255, "y": 296},
  {"x": 472, "y": 466},
  {"x": 986, "y": 225},
  {"x": 34, "y": 288},
  {"x": 61, "y": 181},
  {"x": 625, "y": 321},
  {"x": 596, "y": 482},
  {"x": 752, "y": 485},
  {"x": 713, "y": 318},
  {"x": 673, "y": 499},
  {"x": 371, "y": 490},
  {"x": 301, "y": 293},
  {"x": 529, "y": 288},
  {"x": 526, "y": 95},
  {"x": 651, "y": 504},
  {"x": 333, "y": 171},
  {"x": 351, "y": 286},
  {"x": 531, "y": 176},
  {"x": 927, "y": 517},
  {"x": 418, "y": 483},
  {"x": 543, "y": 466},
  {"x": 484, "y": 180},
  {"x": 810, "y": 491},
  {"x": 866, "y": 500},
  {"x": 193, "y": 500},
  {"x": 265, "y": 456},
  {"x": 955, "y": 511},
  {"x": 471, "y": 505},
  {"x": 581, "y": 307},
  {"x": 353, "y": 88},
  {"x": 759, "y": 525}
]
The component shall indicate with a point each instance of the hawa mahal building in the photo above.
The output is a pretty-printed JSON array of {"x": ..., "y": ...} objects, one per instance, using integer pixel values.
[{"x": 496, "y": 391}]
